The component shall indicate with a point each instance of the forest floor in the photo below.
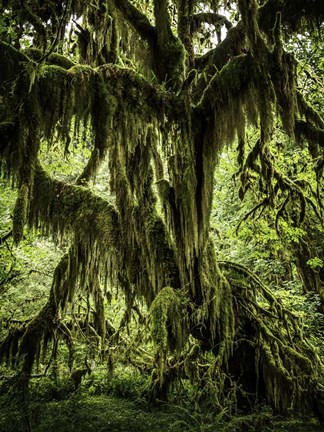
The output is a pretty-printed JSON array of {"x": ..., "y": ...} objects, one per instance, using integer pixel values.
[{"x": 81, "y": 412}]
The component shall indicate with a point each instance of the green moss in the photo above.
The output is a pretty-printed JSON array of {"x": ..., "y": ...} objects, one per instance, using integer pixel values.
[
  {"x": 175, "y": 60},
  {"x": 168, "y": 320},
  {"x": 33, "y": 335},
  {"x": 103, "y": 108},
  {"x": 285, "y": 368},
  {"x": 20, "y": 213},
  {"x": 53, "y": 58},
  {"x": 99, "y": 319}
]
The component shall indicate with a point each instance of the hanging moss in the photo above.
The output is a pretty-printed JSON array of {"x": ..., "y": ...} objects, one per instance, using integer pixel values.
[
  {"x": 147, "y": 253},
  {"x": 20, "y": 214},
  {"x": 99, "y": 318},
  {"x": 160, "y": 252},
  {"x": 284, "y": 78},
  {"x": 102, "y": 111},
  {"x": 286, "y": 366},
  {"x": 64, "y": 282},
  {"x": 33, "y": 336},
  {"x": 9, "y": 346}
]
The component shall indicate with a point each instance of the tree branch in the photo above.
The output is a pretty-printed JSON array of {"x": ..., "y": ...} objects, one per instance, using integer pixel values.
[
  {"x": 169, "y": 53},
  {"x": 209, "y": 18},
  {"x": 162, "y": 21},
  {"x": 65, "y": 208},
  {"x": 137, "y": 20},
  {"x": 306, "y": 130},
  {"x": 293, "y": 12},
  {"x": 185, "y": 12},
  {"x": 133, "y": 89},
  {"x": 52, "y": 58},
  {"x": 231, "y": 80},
  {"x": 137, "y": 92},
  {"x": 228, "y": 48},
  {"x": 5, "y": 237}
]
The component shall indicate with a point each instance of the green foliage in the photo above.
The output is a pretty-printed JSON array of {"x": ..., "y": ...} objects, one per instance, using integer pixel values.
[
  {"x": 25, "y": 271},
  {"x": 315, "y": 263},
  {"x": 80, "y": 412},
  {"x": 126, "y": 382}
]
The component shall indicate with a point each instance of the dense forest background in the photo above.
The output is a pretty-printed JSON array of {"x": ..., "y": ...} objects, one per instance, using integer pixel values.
[{"x": 161, "y": 215}]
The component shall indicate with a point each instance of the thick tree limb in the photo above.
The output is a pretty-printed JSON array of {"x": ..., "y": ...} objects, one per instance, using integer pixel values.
[
  {"x": 72, "y": 209},
  {"x": 292, "y": 14},
  {"x": 138, "y": 93},
  {"x": 162, "y": 21},
  {"x": 169, "y": 53},
  {"x": 185, "y": 12}
]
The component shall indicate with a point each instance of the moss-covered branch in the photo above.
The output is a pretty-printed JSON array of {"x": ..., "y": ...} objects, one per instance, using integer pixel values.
[
  {"x": 124, "y": 83},
  {"x": 228, "y": 48},
  {"x": 169, "y": 53},
  {"x": 137, "y": 93},
  {"x": 63, "y": 209},
  {"x": 287, "y": 366},
  {"x": 233, "y": 79},
  {"x": 209, "y": 18},
  {"x": 294, "y": 13},
  {"x": 185, "y": 13},
  {"x": 309, "y": 132},
  {"x": 52, "y": 59},
  {"x": 137, "y": 20}
]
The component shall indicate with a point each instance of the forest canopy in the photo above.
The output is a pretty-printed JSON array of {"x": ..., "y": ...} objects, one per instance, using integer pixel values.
[{"x": 172, "y": 152}]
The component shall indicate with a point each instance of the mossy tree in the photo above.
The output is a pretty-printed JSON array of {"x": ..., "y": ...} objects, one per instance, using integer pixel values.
[{"x": 130, "y": 74}]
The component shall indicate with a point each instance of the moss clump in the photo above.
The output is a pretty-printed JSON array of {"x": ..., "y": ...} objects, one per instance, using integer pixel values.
[
  {"x": 161, "y": 254},
  {"x": 168, "y": 320},
  {"x": 52, "y": 59}
]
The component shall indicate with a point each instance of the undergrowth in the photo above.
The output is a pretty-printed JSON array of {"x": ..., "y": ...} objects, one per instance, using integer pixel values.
[{"x": 119, "y": 404}]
